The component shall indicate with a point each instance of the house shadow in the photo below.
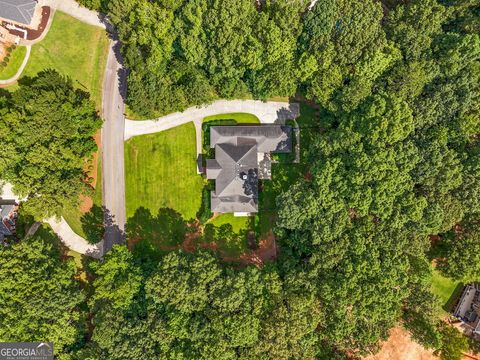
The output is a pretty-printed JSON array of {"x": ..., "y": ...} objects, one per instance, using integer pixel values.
[{"x": 448, "y": 306}]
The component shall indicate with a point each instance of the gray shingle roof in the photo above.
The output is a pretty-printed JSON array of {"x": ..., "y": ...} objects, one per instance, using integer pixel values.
[
  {"x": 235, "y": 168},
  {"x": 269, "y": 138},
  {"x": 20, "y": 11}
]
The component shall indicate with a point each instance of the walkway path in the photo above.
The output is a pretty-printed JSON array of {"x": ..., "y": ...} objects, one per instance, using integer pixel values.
[
  {"x": 268, "y": 112},
  {"x": 15, "y": 77},
  {"x": 72, "y": 240},
  {"x": 25, "y": 42},
  {"x": 28, "y": 44}
]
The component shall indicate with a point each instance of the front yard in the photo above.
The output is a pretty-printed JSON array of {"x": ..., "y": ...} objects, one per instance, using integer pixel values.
[
  {"x": 74, "y": 49},
  {"x": 160, "y": 172}
]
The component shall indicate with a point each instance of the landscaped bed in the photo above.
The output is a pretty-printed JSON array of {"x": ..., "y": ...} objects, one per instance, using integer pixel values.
[
  {"x": 15, "y": 60},
  {"x": 74, "y": 49}
]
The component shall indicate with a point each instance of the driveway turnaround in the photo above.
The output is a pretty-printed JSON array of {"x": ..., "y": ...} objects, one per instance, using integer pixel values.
[
  {"x": 72, "y": 8},
  {"x": 268, "y": 112}
]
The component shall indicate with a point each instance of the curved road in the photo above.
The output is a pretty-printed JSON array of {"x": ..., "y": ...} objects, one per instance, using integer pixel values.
[{"x": 112, "y": 151}]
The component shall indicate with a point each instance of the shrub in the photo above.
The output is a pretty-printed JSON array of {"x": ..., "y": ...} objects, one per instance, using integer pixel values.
[{"x": 204, "y": 213}]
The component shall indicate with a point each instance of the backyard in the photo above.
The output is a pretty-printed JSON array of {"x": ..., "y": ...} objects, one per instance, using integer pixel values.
[
  {"x": 446, "y": 289},
  {"x": 74, "y": 49}
]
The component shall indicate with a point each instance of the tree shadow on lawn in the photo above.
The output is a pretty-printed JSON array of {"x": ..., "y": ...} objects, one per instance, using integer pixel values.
[
  {"x": 164, "y": 230},
  {"x": 93, "y": 224},
  {"x": 224, "y": 239}
]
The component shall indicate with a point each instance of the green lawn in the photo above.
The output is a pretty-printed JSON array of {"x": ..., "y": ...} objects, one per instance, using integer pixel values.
[
  {"x": 238, "y": 222},
  {"x": 446, "y": 289},
  {"x": 73, "y": 215},
  {"x": 16, "y": 58},
  {"x": 74, "y": 49},
  {"x": 160, "y": 171},
  {"x": 238, "y": 118}
]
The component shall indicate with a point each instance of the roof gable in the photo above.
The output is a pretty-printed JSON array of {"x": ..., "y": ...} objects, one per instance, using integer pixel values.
[
  {"x": 235, "y": 168},
  {"x": 20, "y": 11}
]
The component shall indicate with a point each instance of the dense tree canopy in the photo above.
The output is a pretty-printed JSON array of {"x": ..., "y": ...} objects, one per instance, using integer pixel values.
[
  {"x": 189, "y": 306},
  {"x": 40, "y": 299},
  {"x": 391, "y": 158},
  {"x": 47, "y": 129}
]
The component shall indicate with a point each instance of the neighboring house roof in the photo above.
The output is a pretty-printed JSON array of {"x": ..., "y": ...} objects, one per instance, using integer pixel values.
[
  {"x": 4, "y": 230},
  {"x": 235, "y": 168},
  {"x": 468, "y": 307},
  {"x": 6, "y": 207},
  {"x": 20, "y": 11}
]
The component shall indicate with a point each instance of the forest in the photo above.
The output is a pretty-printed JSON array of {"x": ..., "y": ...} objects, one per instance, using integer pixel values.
[{"x": 392, "y": 184}]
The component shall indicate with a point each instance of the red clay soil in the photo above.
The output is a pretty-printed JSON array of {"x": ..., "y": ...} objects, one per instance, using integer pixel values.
[
  {"x": 86, "y": 202},
  {"x": 266, "y": 251},
  {"x": 400, "y": 346},
  {"x": 33, "y": 34}
]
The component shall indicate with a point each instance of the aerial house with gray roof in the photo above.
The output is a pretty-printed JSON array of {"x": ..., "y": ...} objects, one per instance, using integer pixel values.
[
  {"x": 467, "y": 310},
  {"x": 242, "y": 157},
  {"x": 18, "y": 11}
]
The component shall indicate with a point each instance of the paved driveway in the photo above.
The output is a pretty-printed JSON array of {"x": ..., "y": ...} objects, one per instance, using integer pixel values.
[{"x": 268, "y": 112}]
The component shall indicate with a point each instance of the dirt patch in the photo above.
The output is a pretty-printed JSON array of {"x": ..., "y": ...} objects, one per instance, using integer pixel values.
[
  {"x": 86, "y": 204},
  {"x": 91, "y": 169},
  {"x": 400, "y": 346},
  {"x": 94, "y": 172},
  {"x": 266, "y": 250}
]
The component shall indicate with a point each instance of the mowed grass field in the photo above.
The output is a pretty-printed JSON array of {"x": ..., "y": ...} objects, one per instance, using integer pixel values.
[
  {"x": 239, "y": 118},
  {"x": 448, "y": 290},
  {"x": 73, "y": 49},
  {"x": 238, "y": 222},
  {"x": 16, "y": 59},
  {"x": 160, "y": 171}
]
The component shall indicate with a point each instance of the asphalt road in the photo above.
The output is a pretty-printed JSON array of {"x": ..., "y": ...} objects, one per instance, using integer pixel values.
[{"x": 112, "y": 153}]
